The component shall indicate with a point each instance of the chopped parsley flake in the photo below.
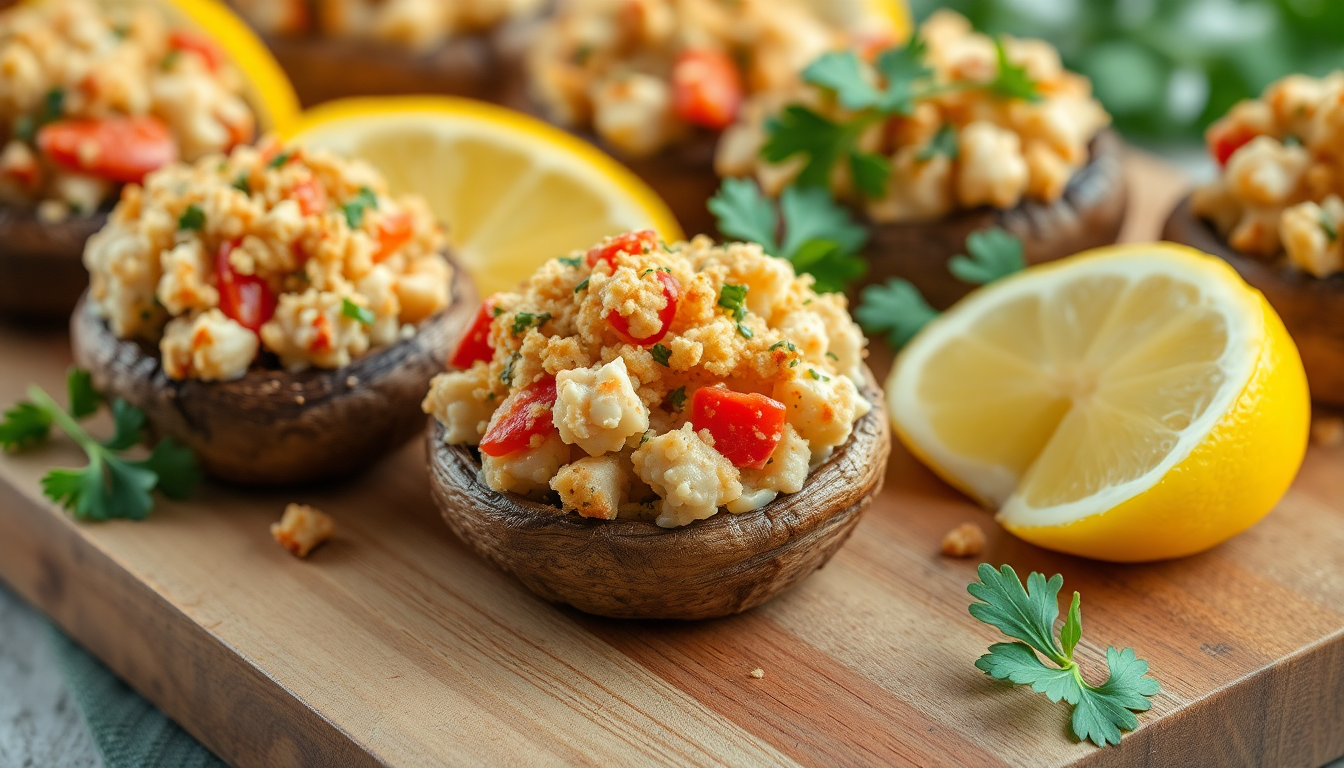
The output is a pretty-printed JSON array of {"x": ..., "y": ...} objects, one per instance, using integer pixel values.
[
  {"x": 677, "y": 398},
  {"x": 506, "y": 375},
  {"x": 279, "y": 160},
  {"x": 582, "y": 285},
  {"x": 243, "y": 183},
  {"x": 193, "y": 218},
  {"x": 355, "y": 312},
  {"x": 571, "y": 261},
  {"x": 1331, "y": 231},
  {"x": 817, "y": 376},
  {"x": 783, "y": 344},
  {"x": 524, "y": 320},
  {"x": 661, "y": 354},
  {"x": 354, "y": 210}
]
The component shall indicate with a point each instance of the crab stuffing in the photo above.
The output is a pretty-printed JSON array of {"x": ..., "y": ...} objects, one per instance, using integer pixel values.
[
  {"x": 638, "y": 379},
  {"x": 94, "y": 97},
  {"x": 1280, "y": 187},
  {"x": 270, "y": 249}
]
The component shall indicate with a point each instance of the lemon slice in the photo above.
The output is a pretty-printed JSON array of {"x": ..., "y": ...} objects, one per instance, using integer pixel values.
[
  {"x": 1131, "y": 403},
  {"x": 512, "y": 190}
]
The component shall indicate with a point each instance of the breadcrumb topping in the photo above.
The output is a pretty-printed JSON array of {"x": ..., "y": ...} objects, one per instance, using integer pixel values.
[{"x": 302, "y": 529}]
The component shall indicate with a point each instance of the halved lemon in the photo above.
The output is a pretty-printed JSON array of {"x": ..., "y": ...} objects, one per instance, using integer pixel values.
[
  {"x": 512, "y": 190},
  {"x": 1131, "y": 403}
]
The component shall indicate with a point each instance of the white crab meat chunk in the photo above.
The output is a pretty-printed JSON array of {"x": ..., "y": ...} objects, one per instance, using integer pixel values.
[
  {"x": 597, "y": 409},
  {"x": 693, "y": 479}
]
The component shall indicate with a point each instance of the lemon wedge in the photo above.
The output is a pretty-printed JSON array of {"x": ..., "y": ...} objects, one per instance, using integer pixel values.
[
  {"x": 1129, "y": 404},
  {"x": 512, "y": 190}
]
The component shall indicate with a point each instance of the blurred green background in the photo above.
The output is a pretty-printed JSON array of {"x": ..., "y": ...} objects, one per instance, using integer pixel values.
[{"x": 1165, "y": 69}]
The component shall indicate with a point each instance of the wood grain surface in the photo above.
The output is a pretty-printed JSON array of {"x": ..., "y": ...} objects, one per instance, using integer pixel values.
[{"x": 394, "y": 644}]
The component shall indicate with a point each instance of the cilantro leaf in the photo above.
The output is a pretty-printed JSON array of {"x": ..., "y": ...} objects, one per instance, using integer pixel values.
[
  {"x": 355, "y": 208},
  {"x": 830, "y": 264},
  {"x": 110, "y": 486},
  {"x": 943, "y": 143},
  {"x": 355, "y": 312},
  {"x": 1100, "y": 713},
  {"x": 661, "y": 354},
  {"x": 902, "y": 67},
  {"x": 1012, "y": 80},
  {"x": 897, "y": 309},
  {"x": 734, "y": 299},
  {"x": 994, "y": 254},
  {"x": 842, "y": 73},
  {"x": 84, "y": 399},
  {"x": 812, "y": 214},
  {"x": 24, "y": 426},
  {"x": 524, "y": 320},
  {"x": 745, "y": 213},
  {"x": 870, "y": 172},
  {"x": 128, "y": 426},
  {"x": 799, "y": 130},
  {"x": 175, "y": 466}
]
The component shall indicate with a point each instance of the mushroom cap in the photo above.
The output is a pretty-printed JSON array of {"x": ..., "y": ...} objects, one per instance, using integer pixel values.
[
  {"x": 1312, "y": 308},
  {"x": 272, "y": 427},
  {"x": 1090, "y": 214},
  {"x": 625, "y": 568},
  {"x": 41, "y": 263}
]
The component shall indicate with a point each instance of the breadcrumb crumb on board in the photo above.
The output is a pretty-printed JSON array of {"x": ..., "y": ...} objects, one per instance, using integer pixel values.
[
  {"x": 966, "y": 540},
  {"x": 302, "y": 529}
]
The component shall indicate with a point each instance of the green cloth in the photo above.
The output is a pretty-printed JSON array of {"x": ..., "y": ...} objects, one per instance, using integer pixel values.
[{"x": 128, "y": 730}]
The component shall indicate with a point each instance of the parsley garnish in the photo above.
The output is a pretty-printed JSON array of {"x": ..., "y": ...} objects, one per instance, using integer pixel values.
[
  {"x": 821, "y": 237},
  {"x": 506, "y": 375},
  {"x": 279, "y": 160},
  {"x": 571, "y": 261},
  {"x": 1012, "y": 80},
  {"x": 193, "y": 218},
  {"x": 896, "y": 309},
  {"x": 53, "y": 105},
  {"x": 111, "y": 486},
  {"x": 354, "y": 210},
  {"x": 496, "y": 311},
  {"x": 994, "y": 254},
  {"x": 355, "y": 312},
  {"x": 817, "y": 376},
  {"x": 677, "y": 398},
  {"x": 900, "y": 311},
  {"x": 524, "y": 320},
  {"x": 243, "y": 183},
  {"x": 1331, "y": 231},
  {"x": 1028, "y": 615},
  {"x": 943, "y": 143},
  {"x": 734, "y": 299},
  {"x": 783, "y": 344},
  {"x": 582, "y": 285},
  {"x": 661, "y": 354}
]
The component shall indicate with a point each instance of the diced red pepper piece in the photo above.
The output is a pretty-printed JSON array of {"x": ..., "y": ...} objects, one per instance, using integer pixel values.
[
  {"x": 246, "y": 299},
  {"x": 706, "y": 88},
  {"x": 394, "y": 231},
  {"x": 672, "y": 293},
  {"x": 630, "y": 242},
  {"x": 310, "y": 196},
  {"x": 195, "y": 42},
  {"x": 746, "y": 427},
  {"x": 121, "y": 149},
  {"x": 525, "y": 414},
  {"x": 475, "y": 343},
  {"x": 1224, "y": 139}
]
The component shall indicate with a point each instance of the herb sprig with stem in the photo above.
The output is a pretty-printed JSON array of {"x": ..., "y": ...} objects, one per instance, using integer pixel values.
[
  {"x": 111, "y": 486},
  {"x": 1028, "y": 615}
]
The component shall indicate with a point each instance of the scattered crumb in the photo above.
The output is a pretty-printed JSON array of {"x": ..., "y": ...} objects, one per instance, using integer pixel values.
[
  {"x": 1327, "y": 431},
  {"x": 758, "y": 673},
  {"x": 351, "y": 382},
  {"x": 299, "y": 399},
  {"x": 302, "y": 529},
  {"x": 966, "y": 540}
]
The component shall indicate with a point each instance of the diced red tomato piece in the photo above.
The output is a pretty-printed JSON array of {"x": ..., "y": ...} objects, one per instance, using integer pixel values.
[
  {"x": 630, "y": 242},
  {"x": 322, "y": 340},
  {"x": 310, "y": 196},
  {"x": 706, "y": 88},
  {"x": 1224, "y": 139},
  {"x": 525, "y": 414},
  {"x": 672, "y": 293},
  {"x": 746, "y": 427},
  {"x": 121, "y": 149},
  {"x": 475, "y": 343},
  {"x": 246, "y": 299},
  {"x": 195, "y": 42},
  {"x": 394, "y": 231}
]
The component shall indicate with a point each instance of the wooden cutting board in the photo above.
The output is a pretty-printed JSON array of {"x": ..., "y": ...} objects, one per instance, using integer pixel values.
[{"x": 394, "y": 644}]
